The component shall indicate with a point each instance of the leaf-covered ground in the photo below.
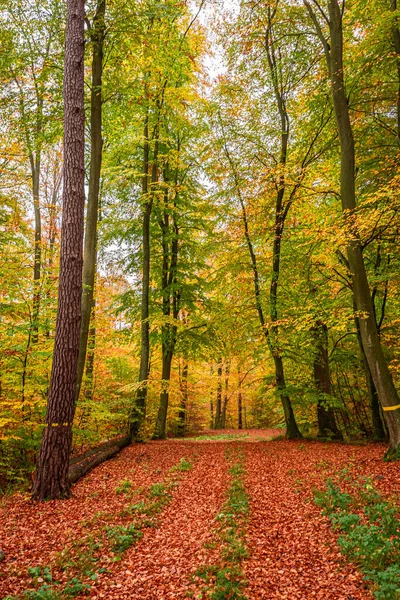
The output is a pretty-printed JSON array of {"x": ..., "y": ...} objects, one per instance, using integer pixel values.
[{"x": 147, "y": 524}]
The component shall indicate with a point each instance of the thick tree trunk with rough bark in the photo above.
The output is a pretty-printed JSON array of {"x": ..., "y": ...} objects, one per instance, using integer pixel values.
[
  {"x": 52, "y": 473},
  {"x": 97, "y": 34}
]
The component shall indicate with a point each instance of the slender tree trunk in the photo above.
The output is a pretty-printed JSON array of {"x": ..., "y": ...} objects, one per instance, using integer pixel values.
[
  {"x": 327, "y": 426},
  {"x": 90, "y": 247},
  {"x": 240, "y": 401},
  {"x": 52, "y": 473},
  {"x": 396, "y": 42},
  {"x": 160, "y": 429},
  {"x": 184, "y": 401},
  {"x": 381, "y": 375},
  {"x": 218, "y": 406},
  {"x": 292, "y": 430},
  {"x": 226, "y": 397},
  {"x": 240, "y": 409},
  {"x": 171, "y": 298},
  {"x": 37, "y": 266},
  {"x": 138, "y": 412}
]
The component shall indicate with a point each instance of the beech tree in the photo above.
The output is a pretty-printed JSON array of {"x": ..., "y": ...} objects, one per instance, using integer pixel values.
[
  {"x": 52, "y": 473},
  {"x": 382, "y": 378}
]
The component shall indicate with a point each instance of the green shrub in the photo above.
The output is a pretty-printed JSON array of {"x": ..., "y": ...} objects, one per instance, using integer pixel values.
[
  {"x": 123, "y": 537},
  {"x": 370, "y": 536}
]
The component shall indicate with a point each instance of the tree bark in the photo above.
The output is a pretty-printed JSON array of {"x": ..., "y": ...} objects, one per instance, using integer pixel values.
[
  {"x": 379, "y": 434},
  {"x": 37, "y": 267},
  {"x": 138, "y": 411},
  {"x": 170, "y": 302},
  {"x": 81, "y": 465},
  {"x": 97, "y": 34},
  {"x": 327, "y": 426},
  {"x": 52, "y": 474},
  {"x": 396, "y": 42},
  {"x": 218, "y": 405},
  {"x": 369, "y": 334},
  {"x": 226, "y": 397},
  {"x": 184, "y": 401},
  {"x": 281, "y": 211}
]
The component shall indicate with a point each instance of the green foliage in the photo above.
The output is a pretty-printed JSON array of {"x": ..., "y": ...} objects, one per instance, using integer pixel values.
[
  {"x": 45, "y": 592},
  {"x": 124, "y": 487},
  {"x": 123, "y": 536},
  {"x": 75, "y": 587},
  {"x": 183, "y": 465},
  {"x": 370, "y": 536},
  {"x": 43, "y": 572}
]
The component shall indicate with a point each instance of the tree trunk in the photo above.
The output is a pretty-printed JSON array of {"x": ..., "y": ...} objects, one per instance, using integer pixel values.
[
  {"x": 369, "y": 334},
  {"x": 327, "y": 426},
  {"x": 160, "y": 429},
  {"x": 97, "y": 34},
  {"x": 52, "y": 474},
  {"x": 226, "y": 397},
  {"x": 240, "y": 410},
  {"x": 218, "y": 406},
  {"x": 171, "y": 297},
  {"x": 138, "y": 412},
  {"x": 240, "y": 401},
  {"x": 184, "y": 401},
  {"x": 82, "y": 464},
  {"x": 379, "y": 434},
  {"x": 396, "y": 42},
  {"x": 37, "y": 267}
]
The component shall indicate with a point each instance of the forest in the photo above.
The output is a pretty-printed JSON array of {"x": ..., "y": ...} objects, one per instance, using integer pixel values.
[{"x": 199, "y": 229}]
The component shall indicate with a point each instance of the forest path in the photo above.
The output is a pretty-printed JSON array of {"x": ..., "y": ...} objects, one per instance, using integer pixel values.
[{"x": 174, "y": 492}]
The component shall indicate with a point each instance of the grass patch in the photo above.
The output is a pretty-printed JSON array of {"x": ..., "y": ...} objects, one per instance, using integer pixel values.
[
  {"x": 48, "y": 589},
  {"x": 124, "y": 487},
  {"x": 370, "y": 531},
  {"x": 221, "y": 436},
  {"x": 182, "y": 466},
  {"x": 124, "y": 536}
]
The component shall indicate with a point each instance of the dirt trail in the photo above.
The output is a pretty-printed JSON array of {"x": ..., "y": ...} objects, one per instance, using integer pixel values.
[{"x": 292, "y": 550}]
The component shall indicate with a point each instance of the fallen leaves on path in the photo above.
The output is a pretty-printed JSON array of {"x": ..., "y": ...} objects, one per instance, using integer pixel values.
[{"x": 292, "y": 550}]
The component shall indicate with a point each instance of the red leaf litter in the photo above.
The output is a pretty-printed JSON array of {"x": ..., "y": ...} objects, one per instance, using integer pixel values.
[{"x": 292, "y": 550}]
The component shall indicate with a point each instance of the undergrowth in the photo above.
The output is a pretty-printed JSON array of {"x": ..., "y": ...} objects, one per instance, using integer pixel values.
[
  {"x": 370, "y": 531},
  {"x": 47, "y": 588}
]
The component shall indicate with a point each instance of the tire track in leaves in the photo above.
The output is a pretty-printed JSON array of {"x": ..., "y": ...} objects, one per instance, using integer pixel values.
[
  {"x": 160, "y": 565},
  {"x": 224, "y": 579},
  {"x": 293, "y": 552}
]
